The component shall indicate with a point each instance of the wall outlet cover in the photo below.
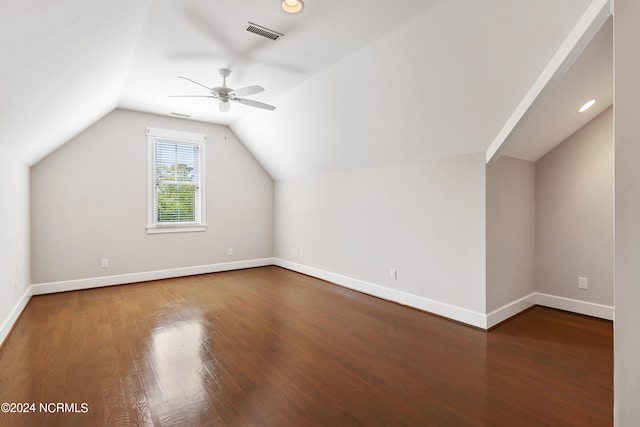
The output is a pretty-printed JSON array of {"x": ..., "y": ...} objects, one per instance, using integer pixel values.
[{"x": 583, "y": 283}]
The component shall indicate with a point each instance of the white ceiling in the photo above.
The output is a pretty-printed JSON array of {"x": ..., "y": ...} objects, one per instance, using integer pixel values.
[
  {"x": 554, "y": 115},
  {"x": 64, "y": 64},
  {"x": 442, "y": 84},
  {"x": 356, "y": 84},
  {"x": 192, "y": 38}
]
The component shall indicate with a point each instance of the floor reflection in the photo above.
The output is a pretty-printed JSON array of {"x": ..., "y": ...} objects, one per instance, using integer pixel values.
[
  {"x": 274, "y": 348},
  {"x": 176, "y": 355}
]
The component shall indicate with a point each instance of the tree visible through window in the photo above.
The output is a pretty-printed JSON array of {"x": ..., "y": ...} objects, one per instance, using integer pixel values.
[{"x": 176, "y": 171}]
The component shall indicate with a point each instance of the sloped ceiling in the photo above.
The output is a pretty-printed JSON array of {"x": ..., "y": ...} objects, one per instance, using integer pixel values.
[
  {"x": 195, "y": 38},
  {"x": 64, "y": 64},
  {"x": 441, "y": 84},
  {"x": 356, "y": 84},
  {"x": 554, "y": 115}
]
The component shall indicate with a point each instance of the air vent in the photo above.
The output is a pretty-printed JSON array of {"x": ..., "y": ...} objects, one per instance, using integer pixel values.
[
  {"x": 263, "y": 31},
  {"x": 180, "y": 115}
]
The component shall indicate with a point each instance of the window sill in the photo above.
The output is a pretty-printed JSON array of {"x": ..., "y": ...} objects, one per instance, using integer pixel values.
[{"x": 160, "y": 229}]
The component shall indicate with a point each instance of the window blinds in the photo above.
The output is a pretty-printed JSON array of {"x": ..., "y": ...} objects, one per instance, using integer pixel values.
[{"x": 177, "y": 182}]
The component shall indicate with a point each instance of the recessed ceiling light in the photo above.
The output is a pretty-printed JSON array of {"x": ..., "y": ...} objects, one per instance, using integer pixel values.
[
  {"x": 292, "y": 6},
  {"x": 586, "y": 106}
]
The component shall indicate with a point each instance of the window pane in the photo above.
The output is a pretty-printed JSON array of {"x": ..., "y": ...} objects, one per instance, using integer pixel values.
[
  {"x": 176, "y": 202},
  {"x": 177, "y": 180},
  {"x": 176, "y": 162}
]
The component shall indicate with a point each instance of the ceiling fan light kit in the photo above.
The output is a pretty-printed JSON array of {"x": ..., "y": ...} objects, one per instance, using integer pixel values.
[{"x": 292, "y": 6}]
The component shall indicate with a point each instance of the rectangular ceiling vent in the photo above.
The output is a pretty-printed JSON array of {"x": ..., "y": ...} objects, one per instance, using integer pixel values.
[{"x": 263, "y": 31}]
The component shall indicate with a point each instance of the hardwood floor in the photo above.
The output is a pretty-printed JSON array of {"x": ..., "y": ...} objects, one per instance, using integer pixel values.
[{"x": 269, "y": 347}]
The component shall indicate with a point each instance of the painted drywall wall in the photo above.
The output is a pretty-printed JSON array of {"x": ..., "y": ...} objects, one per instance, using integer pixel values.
[
  {"x": 14, "y": 236},
  {"x": 574, "y": 214},
  {"x": 627, "y": 213},
  {"x": 424, "y": 219},
  {"x": 89, "y": 202},
  {"x": 511, "y": 231}
]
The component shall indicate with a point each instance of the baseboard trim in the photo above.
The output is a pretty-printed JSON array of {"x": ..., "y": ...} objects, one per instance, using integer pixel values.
[
  {"x": 561, "y": 303},
  {"x": 122, "y": 279},
  {"x": 511, "y": 309},
  {"x": 459, "y": 314},
  {"x": 13, "y": 316},
  {"x": 576, "y": 306}
]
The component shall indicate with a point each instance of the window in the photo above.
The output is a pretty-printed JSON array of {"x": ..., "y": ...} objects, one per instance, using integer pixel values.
[{"x": 176, "y": 181}]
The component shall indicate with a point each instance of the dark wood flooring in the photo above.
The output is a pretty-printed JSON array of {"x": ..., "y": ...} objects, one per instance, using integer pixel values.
[{"x": 269, "y": 347}]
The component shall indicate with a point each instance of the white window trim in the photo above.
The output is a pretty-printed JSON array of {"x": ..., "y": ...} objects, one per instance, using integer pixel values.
[{"x": 178, "y": 136}]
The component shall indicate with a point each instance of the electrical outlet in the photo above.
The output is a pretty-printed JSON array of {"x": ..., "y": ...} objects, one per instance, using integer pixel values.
[
  {"x": 230, "y": 251},
  {"x": 104, "y": 263},
  {"x": 293, "y": 251},
  {"x": 301, "y": 254},
  {"x": 583, "y": 283},
  {"x": 393, "y": 273}
]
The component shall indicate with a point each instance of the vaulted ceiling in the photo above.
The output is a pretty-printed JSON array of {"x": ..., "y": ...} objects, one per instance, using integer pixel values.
[
  {"x": 64, "y": 64},
  {"x": 356, "y": 84}
]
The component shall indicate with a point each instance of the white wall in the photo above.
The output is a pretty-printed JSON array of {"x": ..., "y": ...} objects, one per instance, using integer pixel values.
[
  {"x": 14, "y": 238},
  {"x": 574, "y": 214},
  {"x": 510, "y": 231},
  {"x": 89, "y": 201},
  {"x": 627, "y": 213},
  {"x": 426, "y": 219}
]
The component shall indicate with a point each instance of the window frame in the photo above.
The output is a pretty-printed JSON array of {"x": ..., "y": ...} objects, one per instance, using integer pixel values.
[{"x": 179, "y": 137}]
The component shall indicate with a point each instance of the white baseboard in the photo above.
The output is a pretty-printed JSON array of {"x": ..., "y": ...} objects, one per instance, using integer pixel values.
[
  {"x": 13, "y": 315},
  {"x": 121, "y": 279},
  {"x": 575, "y": 306},
  {"x": 459, "y": 314},
  {"x": 561, "y": 303},
  {"x": 511, "y": 309}
]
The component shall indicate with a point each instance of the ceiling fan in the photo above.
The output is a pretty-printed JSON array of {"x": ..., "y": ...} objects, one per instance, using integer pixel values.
[{"x": 225, "y": 94}]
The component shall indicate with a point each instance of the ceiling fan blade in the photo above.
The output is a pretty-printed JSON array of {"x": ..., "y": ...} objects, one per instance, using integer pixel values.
[
  {"x": 224, "y": 106},
  {"x": 192, "y": 96},
  {"x": 253, "y": 103},
  {"x": 249, "y": 90},
  {"x": 193, "y": 81}
]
